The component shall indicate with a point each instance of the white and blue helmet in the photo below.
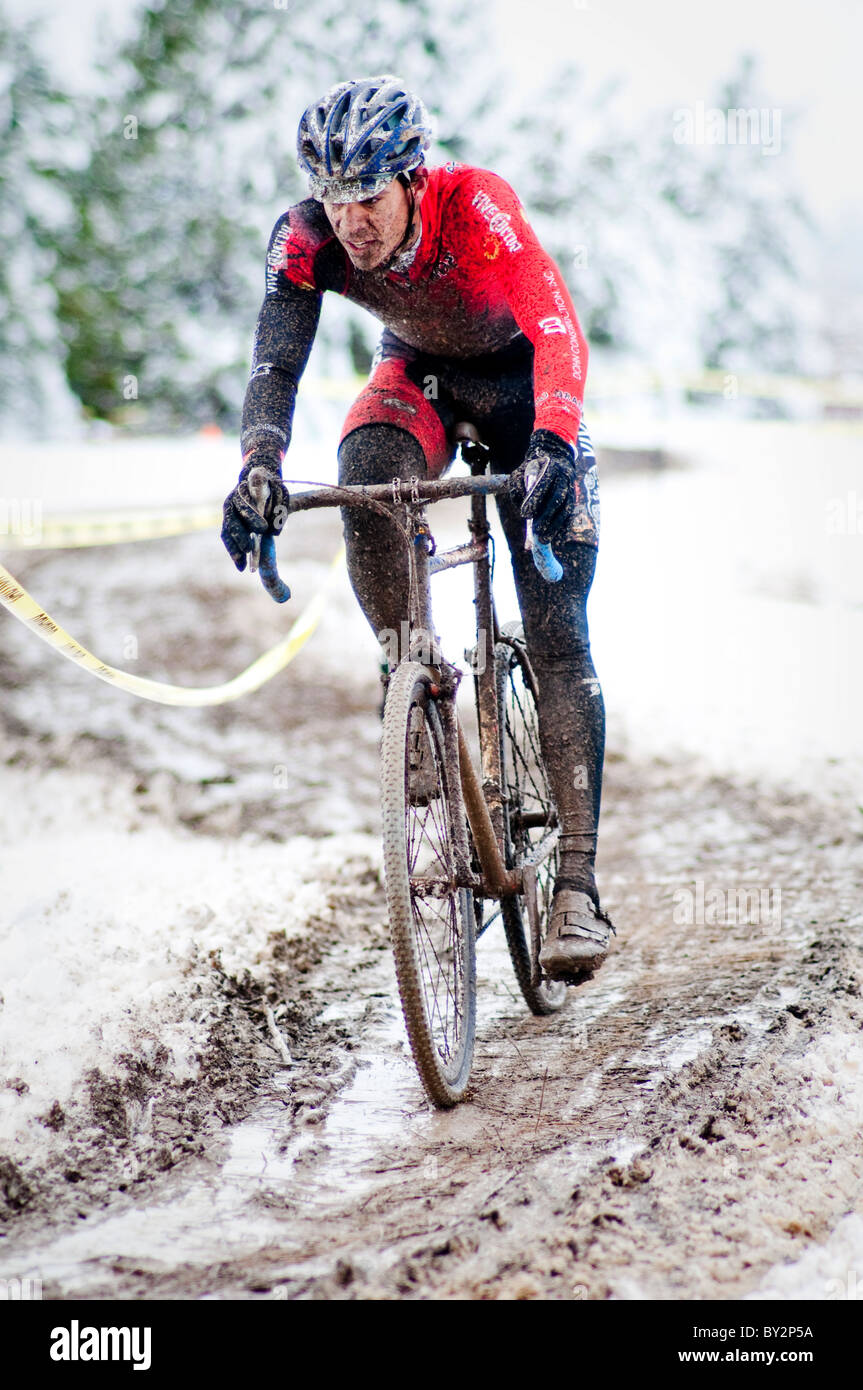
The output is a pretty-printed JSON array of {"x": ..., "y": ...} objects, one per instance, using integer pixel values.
[{"x": 360, "y": 136}]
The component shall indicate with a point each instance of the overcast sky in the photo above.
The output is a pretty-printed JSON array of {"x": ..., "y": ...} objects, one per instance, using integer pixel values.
[{"x": 671, "y": 53}]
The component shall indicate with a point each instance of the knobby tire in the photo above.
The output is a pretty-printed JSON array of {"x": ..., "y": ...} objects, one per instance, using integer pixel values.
[{"x": 433, "y": 937}]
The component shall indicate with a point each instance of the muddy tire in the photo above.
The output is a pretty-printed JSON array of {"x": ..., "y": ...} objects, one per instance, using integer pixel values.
[
  {"x": 431, "y": 921},
  {"x": 529, "y": 809}
]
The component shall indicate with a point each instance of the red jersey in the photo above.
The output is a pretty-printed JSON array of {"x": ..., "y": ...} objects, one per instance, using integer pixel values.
[{"x": 479, "y": 278}]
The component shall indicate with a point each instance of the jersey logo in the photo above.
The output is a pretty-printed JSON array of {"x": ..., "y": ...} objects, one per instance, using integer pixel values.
[
  {"x": 442, "y": 267},
  {"x": 551, "y": 324},
  {"x": 498, "y": 221},
  {"x": 276, "y": 259}
]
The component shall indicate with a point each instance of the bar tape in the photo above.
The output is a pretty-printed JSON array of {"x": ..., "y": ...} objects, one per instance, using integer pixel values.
[{"x": 26, "y": 609}]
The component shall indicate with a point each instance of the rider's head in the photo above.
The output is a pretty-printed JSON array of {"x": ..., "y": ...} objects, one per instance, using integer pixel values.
[{"x": 362, "y": 146}]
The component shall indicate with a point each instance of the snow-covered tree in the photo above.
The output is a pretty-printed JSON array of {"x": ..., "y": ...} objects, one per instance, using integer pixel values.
[
  {"x": 33, "y": 392},
  {"x": 135, "y": 242},
  {"x": 735, "y": 193},
  {"x": 680, "y": 252},
  {"x": 193, "y": 159}
]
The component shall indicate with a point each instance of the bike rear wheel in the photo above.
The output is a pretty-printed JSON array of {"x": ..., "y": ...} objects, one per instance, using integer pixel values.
[
  {"x": 529, "y": 811},
  {"x": 431, "y": 918}
]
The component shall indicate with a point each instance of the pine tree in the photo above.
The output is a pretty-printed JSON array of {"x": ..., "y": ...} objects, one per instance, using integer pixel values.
[
  {"x": 193, "y": 159},
  {"x": 679, "y": 255},
  {"x": 756, "y": 304},
  {"x": 33, "y": 117}
]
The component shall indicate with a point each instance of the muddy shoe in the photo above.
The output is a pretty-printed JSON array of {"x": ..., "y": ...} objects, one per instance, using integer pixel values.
[
  {"x": 423, "y": 783},
  {"x": 578, "y": 937}
]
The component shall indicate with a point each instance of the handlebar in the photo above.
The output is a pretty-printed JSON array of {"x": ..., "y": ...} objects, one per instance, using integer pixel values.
[
  {"x": 398, "y": 491},
  {"x": 269, "y": 571},
  {"x": 395, "y": 493},
  {"x": 546, "y": 562}
]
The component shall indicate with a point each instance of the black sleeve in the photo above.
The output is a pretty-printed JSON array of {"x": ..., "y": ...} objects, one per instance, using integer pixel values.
[{"x": 284, "y": 334}]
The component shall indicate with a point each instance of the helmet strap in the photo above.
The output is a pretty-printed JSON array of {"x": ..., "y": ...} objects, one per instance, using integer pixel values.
[{"x": 407, "y": 183}]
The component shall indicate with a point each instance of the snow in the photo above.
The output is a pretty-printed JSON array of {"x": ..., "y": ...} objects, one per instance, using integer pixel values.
[
  {"x": 726, "y": 613},
  {"x": 107, "y": 928},
  {"x": 726, "y": 621},
  {"x": 830, "y": 1090},
  {"x": 726, "y": 616}
]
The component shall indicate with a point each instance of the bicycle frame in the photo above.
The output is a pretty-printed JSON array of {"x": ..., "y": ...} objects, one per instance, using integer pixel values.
[{"x": 481, "y": 803}]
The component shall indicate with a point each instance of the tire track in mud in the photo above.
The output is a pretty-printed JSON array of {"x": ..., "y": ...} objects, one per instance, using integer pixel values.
[
  {"x": 677, "y": 1154},
  {"x": 692, "y": 1116}
]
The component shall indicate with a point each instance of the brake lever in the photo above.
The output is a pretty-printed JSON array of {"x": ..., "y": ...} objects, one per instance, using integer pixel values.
[
  {"x": 262, "y": 556},
  {"x": 544, "y": 557}
]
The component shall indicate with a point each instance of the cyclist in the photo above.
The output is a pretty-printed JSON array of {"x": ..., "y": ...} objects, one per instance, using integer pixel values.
[{"x": 478, "y": 327}]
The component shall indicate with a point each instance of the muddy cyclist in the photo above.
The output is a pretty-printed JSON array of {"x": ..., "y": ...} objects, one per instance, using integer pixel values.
[{"x": 478, "y": 329}]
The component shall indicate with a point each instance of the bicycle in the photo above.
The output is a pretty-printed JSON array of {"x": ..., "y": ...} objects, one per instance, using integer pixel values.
[{"x": 453, "y": 843}]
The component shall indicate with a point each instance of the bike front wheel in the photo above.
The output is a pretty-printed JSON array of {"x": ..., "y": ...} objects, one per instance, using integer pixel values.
[{"x": 431, "y": 917}]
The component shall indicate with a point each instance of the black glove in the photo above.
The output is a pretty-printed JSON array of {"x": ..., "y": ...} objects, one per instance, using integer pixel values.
[
  {"x": 552, "y": 502},
  {"x": 241, "y": 518}
]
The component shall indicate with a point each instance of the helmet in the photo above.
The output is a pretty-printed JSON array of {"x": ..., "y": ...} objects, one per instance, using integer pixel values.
[{"x": 359, "y": 136}]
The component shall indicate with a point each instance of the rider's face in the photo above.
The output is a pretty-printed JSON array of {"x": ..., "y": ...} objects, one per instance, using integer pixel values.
[{"x": 371, "y": 230}]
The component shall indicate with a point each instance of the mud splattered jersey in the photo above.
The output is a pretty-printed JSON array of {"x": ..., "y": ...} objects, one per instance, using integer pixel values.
[{"x": 478, "y": 280}]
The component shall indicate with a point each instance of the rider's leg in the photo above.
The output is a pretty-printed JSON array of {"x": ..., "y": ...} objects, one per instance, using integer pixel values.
[
  {"x": 570, "y": 705},
  {"x": 376, "y": 553},
  {"x": 392, "y": 431},
  {"x": 378, "y": 562}
]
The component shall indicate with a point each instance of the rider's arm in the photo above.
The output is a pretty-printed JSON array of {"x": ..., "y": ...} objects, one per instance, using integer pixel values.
[
  {"x": 526, "y": 276},
  {"x": 284, "y": 334}
]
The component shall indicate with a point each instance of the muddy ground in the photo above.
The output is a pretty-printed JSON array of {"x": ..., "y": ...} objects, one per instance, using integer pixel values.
[{"x": 688, "y": 1127}]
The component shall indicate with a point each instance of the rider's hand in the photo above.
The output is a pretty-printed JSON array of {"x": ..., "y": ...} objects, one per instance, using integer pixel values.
[
  {"x": 552, "y": 503},
  {"x": 241, "y": 518}
]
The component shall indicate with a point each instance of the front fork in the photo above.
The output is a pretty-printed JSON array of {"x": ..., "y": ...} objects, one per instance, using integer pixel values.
[{"x": 481, "y": 807}]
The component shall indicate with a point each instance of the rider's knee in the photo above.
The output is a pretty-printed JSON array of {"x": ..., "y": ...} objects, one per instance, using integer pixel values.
[{"x": 377, "y": 453}]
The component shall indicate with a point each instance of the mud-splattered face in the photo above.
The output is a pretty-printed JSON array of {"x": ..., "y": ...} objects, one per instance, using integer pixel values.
[{"x": 371, "y": 230}]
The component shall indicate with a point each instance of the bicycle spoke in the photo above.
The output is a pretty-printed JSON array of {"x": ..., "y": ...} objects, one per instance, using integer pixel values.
[
  {"x": 530, "y": 814},
  {"x": 442, "y": 974},
  {"x": 526, "y": 778},
  {"x": 438, "y": 977},
  {"x": 438, "y": 930}
]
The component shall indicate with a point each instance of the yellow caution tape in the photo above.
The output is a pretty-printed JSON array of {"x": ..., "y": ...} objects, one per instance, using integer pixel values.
[
  {"x": 109, "y": 528},
  {"x": 25, "y": 608}
]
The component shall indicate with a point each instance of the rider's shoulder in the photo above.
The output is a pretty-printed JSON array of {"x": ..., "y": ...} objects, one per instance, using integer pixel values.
[
  {"x": 306, "y": 220},
  {"x": 299, "y": 247},
  {"x": 469, "y": 179}
]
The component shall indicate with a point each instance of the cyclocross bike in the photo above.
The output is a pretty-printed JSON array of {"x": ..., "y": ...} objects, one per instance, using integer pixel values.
[{"x": 460, "y": 849}]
